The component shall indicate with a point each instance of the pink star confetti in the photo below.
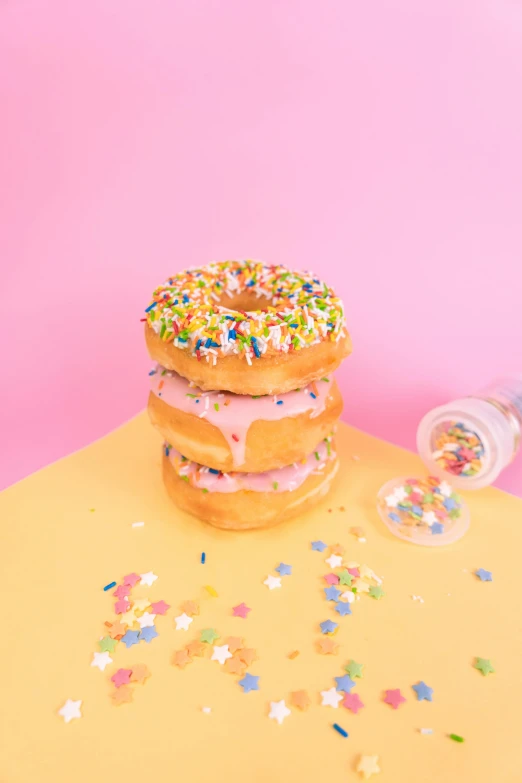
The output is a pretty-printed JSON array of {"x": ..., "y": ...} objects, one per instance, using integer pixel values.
[
  {"x": 354, "y": 572},
  {"x": 122, "y": 591},
  {"x": 394, "y": 698},
  {"x": 160, "y": 607},
  {"x": 241, "y": 610},
  {"x": 352, "y": 702},
  {"x": 121, "y": 677},
  {"x": 121, "y": 606},
  {"x": 331, "y": 579},
  {"x": 131, "y": 579}
]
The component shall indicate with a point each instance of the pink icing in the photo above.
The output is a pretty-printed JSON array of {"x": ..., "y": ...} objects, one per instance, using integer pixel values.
[
  {"x": 281, "y": 480},
  {"x": 236, "y": 412}
]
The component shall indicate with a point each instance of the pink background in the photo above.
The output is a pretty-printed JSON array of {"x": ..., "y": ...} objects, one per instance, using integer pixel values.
[{"x": 377, "y": 143}]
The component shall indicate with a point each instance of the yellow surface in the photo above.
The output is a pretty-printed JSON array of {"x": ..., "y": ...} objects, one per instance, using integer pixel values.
[{"x": 56, "y": 556}]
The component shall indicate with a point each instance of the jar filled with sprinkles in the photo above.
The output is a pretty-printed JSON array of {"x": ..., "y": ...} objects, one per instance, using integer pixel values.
[{"x": 470, "y": 441}]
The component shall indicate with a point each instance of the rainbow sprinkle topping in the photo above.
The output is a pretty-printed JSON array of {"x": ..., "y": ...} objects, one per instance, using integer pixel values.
[{"x": 190, "y": 311}]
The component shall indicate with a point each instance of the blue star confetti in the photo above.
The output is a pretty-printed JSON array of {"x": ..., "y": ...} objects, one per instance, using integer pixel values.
[
  {"x": 249, "y": 683},
  {"x": 328, "y": 626},
  {"x": 423, "y": 691},
  {"x": 343, "y": 608},
  {"x": 148, "y": 634},
  {"x": 344, "y": 683},
  {"x": 284, "y": 570},
  {"x": 129, "y": 638},
  {"x": 332, "y": 593},
  {"x": 318, "y": 546},
  {"x": 483, "y": 575}
]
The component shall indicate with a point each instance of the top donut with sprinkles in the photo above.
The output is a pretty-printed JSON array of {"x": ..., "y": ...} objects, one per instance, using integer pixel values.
[{"x": 190, "y": 310}]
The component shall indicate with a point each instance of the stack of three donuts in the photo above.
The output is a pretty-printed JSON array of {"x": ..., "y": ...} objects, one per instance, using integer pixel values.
[{"x": 242, "y": 390}]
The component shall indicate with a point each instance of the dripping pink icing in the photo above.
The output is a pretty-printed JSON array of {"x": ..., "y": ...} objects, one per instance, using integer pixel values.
[
  {"x": 280, "y": 480},
  {"x": 236, "y": 412}
]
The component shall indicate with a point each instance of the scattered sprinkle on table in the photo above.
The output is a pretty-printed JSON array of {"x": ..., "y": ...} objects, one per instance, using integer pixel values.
[
  {"x": 284, "y": 570},
  {"x": 293, "y": 654},
  {"x": 376, "y": 591},
  {"x": 331, "y": 698},
  {"x": 484, "y": 666},
  {"x": 148, "y": 578},
  {"x": 183, "y": 622},
  {"x": 300, "y": 699},
  {"x": 483, "y": 575},
  {"x": 352, "y": 702},
  {"x": 344, "y": 683},
  {"x": 318, "y": 546},
  {"x": 241, "y": 610},
  {"x": 109, "y": 586},
  {"x": 138, "y": 524},
  {"x": 249, "y": 683},
  {"x": 340, "y": 730},
  {"x": 101, "y": 660},
  {"x": 394, "y": 698},
  {"x": 278, "y": 711},
  {"x": 203, "y": 558},
  {"x": 221, "y": 653},
  {"x": 328, "y": 626},
  {"x": 368, "y": 766},
  {"x": 211, "y": 591},
  {"x": 70, "y": 710},
  {"x": 354, "y": 669},
  {"x": 208, "y": 635},
  {"x": 426, "y": 731},
  {"x": 456, "y": 737},
  {"x": 272, "y": 582},
  {"x": 206, "y": 710},
  {"x": 423, "y": 691}
]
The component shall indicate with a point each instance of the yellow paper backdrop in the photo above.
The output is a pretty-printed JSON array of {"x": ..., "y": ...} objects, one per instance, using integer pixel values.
[{"x": 56, "y": 556}]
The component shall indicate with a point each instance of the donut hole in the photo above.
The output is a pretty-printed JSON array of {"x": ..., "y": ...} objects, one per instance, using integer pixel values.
[{"x": 245, "y": 302}]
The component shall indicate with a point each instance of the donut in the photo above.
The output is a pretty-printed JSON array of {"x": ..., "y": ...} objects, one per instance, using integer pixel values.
[
  {"x": 243, "y": 501},
  {"x": 228, "y": 431},
  {"x": 247, "y": 328}
]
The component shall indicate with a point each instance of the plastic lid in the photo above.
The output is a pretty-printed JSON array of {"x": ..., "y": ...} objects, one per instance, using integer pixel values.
[{"x": 423, "y": 511}]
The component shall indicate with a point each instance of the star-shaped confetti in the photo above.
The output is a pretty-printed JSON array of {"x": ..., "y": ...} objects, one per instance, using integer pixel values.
[
  {"x": 140, "y": 605},
  {"x": 376, "y": 591},
  {"x": 117, "y": 630},
  {"x": 334, "y": 561},
  {"x": 437, "y": 529},
  {"x": 148, "y": 579},
  {"x": 234, "y": 643},
  {"x": 423, "y": 691},
  {"x": 331, "y": 579},
  {"x": 122, "y": 591},
  {"x": 121, "y": 677},
  {"x": 140, "y": 673},
  {"x": 221, "y": 653},
  {"x": 190, "y": 607},
  {"x": 70, "y": 710},
  {"x": 318, "y": 546},
  {"x": 160, "y": 607},
  {"x": 337, "y": 549},
  {"x": 107, "y": 644},
  {"x": 354, "y": 669},
  {"x": 128, "y": 619},
  {"x": 328, "y": 626},
  {"x": 122, "y": 695},
  {"x": 208, "y": 635},
  {"x": 278, "y": 711},
  {"x": 241, "y": 610},
  {"x": 332, "y": 593},
  {"x": 484, "y": 666},
  {"x": 235, "y": 665},
  {"x": 368, "y": 766},
  {"x": 146, "y": 620},
  {"x": 196, "y": 648},
  {"x": 284, "y": 570},
  {"x": 272, "y": 582},
  {"x": 331, "y": 698},
  {"x": 327, "y": 646},
  {"x": 249, "y": 683},
  {"x": 148, "y": 634},
  {"x": 345, "y": 578},
  {"x": 181, "y": 658},
  {"x": 352, "y": 702},
  {"x": 343, "y": 608},
  {"x": 247, "y": 655},
  {"x": 344, "y": 683},
  {"x": 131, "y": 579},
  {"x": 300, "y": 699},
  {"x": 101, "y": 660},
  {"x": 483, "y": 575},
  {"x": 394, "y": 698},
  {"x": 130, "y": 638},
  {"x": 183, "y": 622}
]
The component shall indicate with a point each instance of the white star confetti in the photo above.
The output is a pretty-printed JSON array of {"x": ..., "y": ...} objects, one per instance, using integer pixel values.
[
  {"x": 331, "y": 698},
  {"x": 445, "y": 489},
  {"x": 278, "y": 711},
  {"x": 101, "y": 660},
  {"x": 391, "y": 501},
  {"x": 272, "y": 582},
  {"x": 334, "y": 561},
  {"x": 146, "y": 620},
  {"x": 221, "y": 653},
  {"x": 148, "y": 579},
  {"x": 70, "y": 710},
  {"x": 206, "y": 710},
  {"x": 348, "y": 596},
  {"x": 183, "y": 622}
]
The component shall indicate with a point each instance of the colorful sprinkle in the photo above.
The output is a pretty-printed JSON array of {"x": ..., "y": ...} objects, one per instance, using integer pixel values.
[
  {"x": 458, "y": 449},
  {"x": 340, "y": 730},
  {"x": 109, "y": 586}
]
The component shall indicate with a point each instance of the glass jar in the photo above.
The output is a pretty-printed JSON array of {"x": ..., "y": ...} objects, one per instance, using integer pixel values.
[{"x": 470, "y": 441}]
